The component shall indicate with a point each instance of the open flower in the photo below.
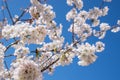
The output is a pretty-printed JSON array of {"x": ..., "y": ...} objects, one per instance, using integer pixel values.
[{"x": 27, "y": 70}]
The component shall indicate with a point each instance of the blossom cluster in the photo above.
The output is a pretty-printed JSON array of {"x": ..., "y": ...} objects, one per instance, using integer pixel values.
[
  {"x": 2, "y": 48},
  {"x": 25, "y": 32},
  {"x": 24, "y": 69}
]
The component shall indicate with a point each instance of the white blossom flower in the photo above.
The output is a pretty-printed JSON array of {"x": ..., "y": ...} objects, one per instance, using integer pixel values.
[
  {"x": 38, "y": 5},
  {"x": 100, "y": 46},
  {"x": 82, "y": 31},
  {"x": 71, "y": 14},
  {"x": 95, "y": 22},
  {"x": 76, "y": 29},
  {"x": 55, "y": 33},
  {"x": 104, "y": 27},
  {"x": 70, "y": 2},
  {"x": 56, "y": 44},
  {"x": 34, "y": 2},
  {"x": 115, "y": 29},
  {"x": 118, "y": 22},
  {"x": 27, "y": 70},
  {"x": 83, "y": 14},
  {"x": 105, "y": 11},
  {"x": 99, "y": 34},
  {"x": 2, "y": 49},
  {"x": 26, "y": 32},
  {"x": 48, "y": 16},
  {"x": 66, "y": 58},
  {"x": 18, "y": 45},
  {"x": 33, "y": 12},
  {"x": 78, "y": 21},
  {"x": 21, "y": 52},
  {"x": 78, "y": 3},
  {"x": 86, "y": 54},
  {"x": 95, "y": 13},
  {"x": 102, "y": 34},
  {"x": 86, "y": 29}
]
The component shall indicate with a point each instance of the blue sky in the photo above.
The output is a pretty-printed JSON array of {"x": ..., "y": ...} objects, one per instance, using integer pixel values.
[{"x": 107, "y": 66}]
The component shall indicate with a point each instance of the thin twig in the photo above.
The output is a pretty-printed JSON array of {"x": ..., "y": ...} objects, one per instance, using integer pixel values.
[
  {"x": 9, "y": 11},
  {"x": 45, "y": 68},
  {"x": 9, "y": 55},
  {"x": 7, "y": 67},
  {"x": 11, "y": 45},
  {"x": 73, "y": 35},
  {"x": 46, "y": 60},
  {"x": 22, "y": 14},
  {"x": 19, "y": 17}
]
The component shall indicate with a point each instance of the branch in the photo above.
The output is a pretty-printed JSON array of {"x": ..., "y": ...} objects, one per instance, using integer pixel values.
[
  {"x": 45, "y": 68},
  {"x": 69, "y": 49},
  {"x": 21, "y": 15},
  {"x": 46, "y": 60},
  {"x": 9, "y": 55},
  {"x": 11, "y": 45},
  {"x": 7, "y": 68},
  {"x": 8, "y": 11},
  {"x": 73, "y": 35}
]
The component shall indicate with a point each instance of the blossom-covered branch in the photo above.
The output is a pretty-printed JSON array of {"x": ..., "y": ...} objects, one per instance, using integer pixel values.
[{"x": 30, "y": 63}]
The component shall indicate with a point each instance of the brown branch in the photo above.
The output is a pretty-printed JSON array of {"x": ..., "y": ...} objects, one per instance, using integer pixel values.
[
  {"x": 9, "y": 55},
  {"x": 22, "y": 14},
  {"x": 73, "y": 35},
  {"x": 69, "y": 49},
  {"x": 11, "y": 45},
  {"x": 26, "y": 19},
  {"x": 46, "y": 60},
  {"x": 19, "y": 17},
  {"x": 45, "y": 68},
  {"x": 9, "y": 11}
]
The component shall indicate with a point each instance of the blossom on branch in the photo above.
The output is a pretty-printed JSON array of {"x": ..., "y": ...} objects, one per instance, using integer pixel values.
[{"x": 37, "y": 44}]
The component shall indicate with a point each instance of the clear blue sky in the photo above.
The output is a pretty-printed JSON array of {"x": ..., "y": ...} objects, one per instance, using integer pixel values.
[{"x": 107, "y": 66}]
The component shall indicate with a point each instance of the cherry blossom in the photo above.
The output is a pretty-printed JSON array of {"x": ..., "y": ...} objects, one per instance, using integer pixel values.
[{"x": 44, "y": 56}]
